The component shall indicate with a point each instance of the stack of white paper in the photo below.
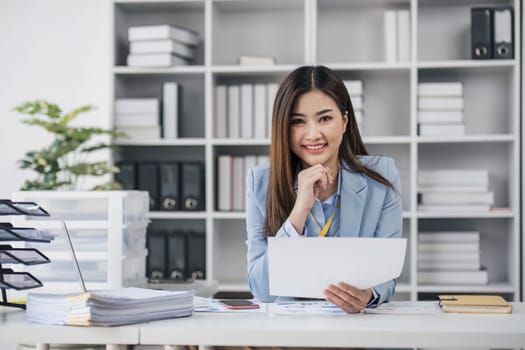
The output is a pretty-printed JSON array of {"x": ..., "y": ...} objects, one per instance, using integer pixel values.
[
  {"x": 355, "y": 90},
  {"x": 108, "y": 307}
]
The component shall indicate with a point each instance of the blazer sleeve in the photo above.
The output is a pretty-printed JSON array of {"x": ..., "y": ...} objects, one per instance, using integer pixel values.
[
  {"x": 256, "y": 241},
  {"x": 390, "y": 223}
]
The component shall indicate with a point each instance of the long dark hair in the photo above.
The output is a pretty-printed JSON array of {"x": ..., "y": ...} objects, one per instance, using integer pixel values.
[{"x": 283, "y": 162}]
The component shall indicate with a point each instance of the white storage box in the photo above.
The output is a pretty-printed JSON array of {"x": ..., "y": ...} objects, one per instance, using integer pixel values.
[{"x": 108, "y": 233}]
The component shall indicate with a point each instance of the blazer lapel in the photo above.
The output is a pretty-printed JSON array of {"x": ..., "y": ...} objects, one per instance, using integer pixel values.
[{"x": 353, "y": 197}]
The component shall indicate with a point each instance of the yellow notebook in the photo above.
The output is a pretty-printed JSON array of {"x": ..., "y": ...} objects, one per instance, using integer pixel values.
[{"x": 475, "y": 304}]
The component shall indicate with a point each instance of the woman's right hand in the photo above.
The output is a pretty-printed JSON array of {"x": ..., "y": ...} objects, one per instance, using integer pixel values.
[{"x": 310, "y": 182}]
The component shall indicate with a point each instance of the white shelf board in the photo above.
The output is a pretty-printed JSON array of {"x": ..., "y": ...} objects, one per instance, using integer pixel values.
[
  {"x": 125, "y": 70},
  {"x": 466, "y": 64},
  {"x": 176, "y": 215},
  {"x": 407, "y": 215},
  {"x": 247, "y": 70},
  {"x": 386, "y": 140},
  {"x": 450, "y": 288},
  {"x": 88, "y": 255},
  {"x": 466, "y": 138},
  {"x": 236, "y": 215},
  {"x": 447, "y": 215},
  {"x": 164, "y": 142},
  {"x": 241, "y": 142},
  {"x": 368, "y": 66}
]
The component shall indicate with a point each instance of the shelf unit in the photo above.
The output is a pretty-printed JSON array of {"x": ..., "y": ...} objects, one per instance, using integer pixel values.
[{"x": 347, "y": 36}]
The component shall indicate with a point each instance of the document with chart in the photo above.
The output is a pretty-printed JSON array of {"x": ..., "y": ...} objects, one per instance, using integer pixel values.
[{"x": 305, "y": 267}]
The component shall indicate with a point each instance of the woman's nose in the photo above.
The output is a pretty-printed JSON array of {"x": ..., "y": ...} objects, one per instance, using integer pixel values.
[{"x": 313, "y": 131}]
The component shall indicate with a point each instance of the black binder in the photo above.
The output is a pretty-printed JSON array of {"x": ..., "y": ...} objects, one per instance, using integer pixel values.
[
  {"x": 481, "y": 32},
  {"x": 169, "y": 186},
  {"x": 192, "y": 186},
  {"x": 196, "y": 261},
  {"x": 502, "y": 33},
  {"x": 176, "y": 256},
  {"x": 148, "y": 180},
  {"x": 127, "y": 176},
  {"x": 156, "y": 262}
]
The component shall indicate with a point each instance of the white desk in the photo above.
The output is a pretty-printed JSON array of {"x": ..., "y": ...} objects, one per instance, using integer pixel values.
[
  {"x": 263, "y": 329},
  {"x": 15, "y": 329}
]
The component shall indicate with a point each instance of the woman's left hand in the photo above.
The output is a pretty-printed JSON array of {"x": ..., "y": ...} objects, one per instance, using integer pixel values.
[{"x": 348, "y": 298}]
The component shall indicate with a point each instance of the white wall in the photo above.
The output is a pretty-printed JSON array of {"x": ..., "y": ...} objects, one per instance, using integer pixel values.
[{"x": 57, "y": 50}]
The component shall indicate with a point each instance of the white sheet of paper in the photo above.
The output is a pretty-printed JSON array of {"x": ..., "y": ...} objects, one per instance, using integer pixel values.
[{"x": 305, "y": 267}]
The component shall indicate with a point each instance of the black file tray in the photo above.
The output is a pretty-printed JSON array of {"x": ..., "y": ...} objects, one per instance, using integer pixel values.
[{"x": 10, "y": 279}]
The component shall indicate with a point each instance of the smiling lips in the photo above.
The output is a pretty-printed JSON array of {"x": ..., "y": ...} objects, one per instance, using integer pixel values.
[{"x": 315, "y": 148}]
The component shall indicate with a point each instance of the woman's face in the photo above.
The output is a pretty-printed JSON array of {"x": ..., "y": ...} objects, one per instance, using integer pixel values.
[{"x": 316, "y": 129}]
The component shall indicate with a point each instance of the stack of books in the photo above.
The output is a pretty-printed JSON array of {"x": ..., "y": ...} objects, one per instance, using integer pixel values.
[
  {"x": 397, "y": 35},
  {"x": 454, "y": 190},
  {"x": 450, "y": 258},
  {"x": 244, "y": 111},
  {"x": 231, "y": 173},
  {"x": 440, "y": 109},
  {"x": 138, "y": 118},
  {"x": 113, "y": 307},
  {"x": 161, "y": 45},
  {"x": 355, "y": 90}
]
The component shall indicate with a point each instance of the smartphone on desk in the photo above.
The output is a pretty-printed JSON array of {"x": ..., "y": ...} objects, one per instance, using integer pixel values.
[{"x": 238, "y": 304}]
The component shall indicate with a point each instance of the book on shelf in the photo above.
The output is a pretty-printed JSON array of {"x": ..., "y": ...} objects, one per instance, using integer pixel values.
[
  {"x": 449, "y": 236},
  {"x": 439, "y": 117},
  {"x": 161, "y": 46},
  {"x": 171, "y": 105},
  {"x": 452, "y": 247},
  {"x": 221, "y": 111},
  {"x": 112, "y": 307},
  {"x": 390, "y": 35},
  {"x": 449, "y": 208},
  {"x": 163, "y": 31},
  {"x": 440, "y": 103},
  {"x": 474, "y": 277},
  {"x": 440, "y": 89},
  {"x": 238, "y": 186},
  {"x": 136, "y": 120},
  {"x": 234, "y": 111},
  {"x": 453, "y": 188},
  {"x": 155, "y": 60},
  {"x": 250, "y": 60},
  {"x": 431, "y": 257},
  {"x": 224, "y": 182},
  {"x": 137, "y": 106},
  {"x": 453, "y": 177},
  {"x": 271, "y": 93},
  {"x": 259, "y": 111},
  {"x": 247, "y": 111},
  {"x": 450, "y": 265},
  {"x": 435, "y": 198},
  {"x": 141, "y": 133},
  {"x": 403, "y": 35},
  {"x": 453, "y": 129},
  {"x": 474, "y": 304}
]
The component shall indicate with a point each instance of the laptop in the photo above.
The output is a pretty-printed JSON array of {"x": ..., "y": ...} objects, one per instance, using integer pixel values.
[{"x": 305, "y": 267}]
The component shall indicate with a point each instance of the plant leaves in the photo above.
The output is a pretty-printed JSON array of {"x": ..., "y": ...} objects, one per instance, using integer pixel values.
[
  {"x": 51, "y": 110},
  {"x": 64, "y": 121}
]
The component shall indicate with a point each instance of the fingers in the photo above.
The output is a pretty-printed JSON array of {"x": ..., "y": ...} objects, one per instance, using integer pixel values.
[{"x": 348, "y": 298}]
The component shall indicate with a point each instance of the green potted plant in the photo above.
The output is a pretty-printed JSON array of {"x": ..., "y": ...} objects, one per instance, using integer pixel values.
[{"x": 62, "y": 164}]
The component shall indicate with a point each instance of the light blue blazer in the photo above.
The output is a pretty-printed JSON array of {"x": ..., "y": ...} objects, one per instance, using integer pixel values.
[{"x": 368, "y": 209}]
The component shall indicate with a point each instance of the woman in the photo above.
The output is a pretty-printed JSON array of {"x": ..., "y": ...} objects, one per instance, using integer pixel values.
[{"x": 320, "y": 181}]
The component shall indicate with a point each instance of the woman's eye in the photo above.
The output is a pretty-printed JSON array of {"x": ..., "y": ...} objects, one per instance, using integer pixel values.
[
  {"x": 325, "y": 118},
  {"x": 296, "y": 121}
]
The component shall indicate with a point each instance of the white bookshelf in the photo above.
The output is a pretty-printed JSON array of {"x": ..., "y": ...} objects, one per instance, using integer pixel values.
[{"x": 347, "y": 36}]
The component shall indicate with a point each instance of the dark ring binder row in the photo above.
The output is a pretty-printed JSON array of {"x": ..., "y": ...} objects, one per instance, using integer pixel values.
[
  {"x": 176, "y": 256},
  {"x": 492, "y": 32},
  {"x": 172, "y": 186}
]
